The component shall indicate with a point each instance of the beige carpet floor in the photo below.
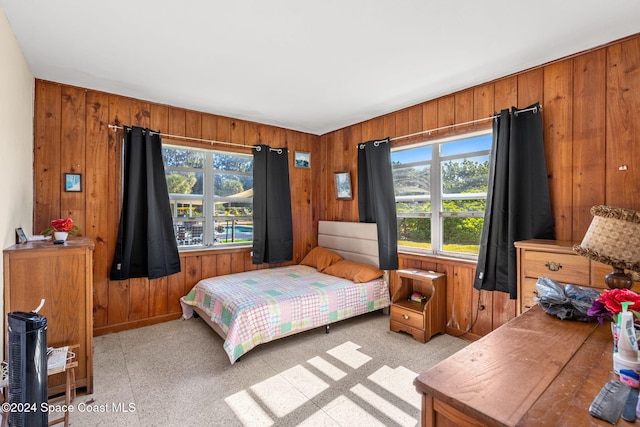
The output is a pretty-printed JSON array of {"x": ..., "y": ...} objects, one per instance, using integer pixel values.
[{"x": 177, "y": 374}]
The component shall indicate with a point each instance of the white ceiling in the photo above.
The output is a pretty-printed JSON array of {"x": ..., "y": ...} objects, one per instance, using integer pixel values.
[{"x": 312, "y": 66}]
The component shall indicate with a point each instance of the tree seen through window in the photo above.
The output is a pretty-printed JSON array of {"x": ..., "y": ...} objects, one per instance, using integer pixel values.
[{"x": 448, "y": 218}]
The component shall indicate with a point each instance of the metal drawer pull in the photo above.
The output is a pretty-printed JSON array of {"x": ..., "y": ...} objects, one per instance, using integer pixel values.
[
  {"x": 405, "y": 317},
  {"x": 553, "y": 266}
]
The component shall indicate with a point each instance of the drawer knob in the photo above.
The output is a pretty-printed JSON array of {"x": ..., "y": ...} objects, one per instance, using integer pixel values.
[
  {"x": 553, "y": 266},
  {"x": 405, "y": 316}
]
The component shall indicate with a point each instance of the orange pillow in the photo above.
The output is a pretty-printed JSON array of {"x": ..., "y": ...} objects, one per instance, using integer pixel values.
[
  {"x": 320, "y": 258},
  {"x": 356, "y": 271}
]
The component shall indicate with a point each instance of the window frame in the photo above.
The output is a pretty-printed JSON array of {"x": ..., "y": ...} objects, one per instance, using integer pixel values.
[
  {"x": 436, "y": 195},
  {"x": 208, "y": 218}
]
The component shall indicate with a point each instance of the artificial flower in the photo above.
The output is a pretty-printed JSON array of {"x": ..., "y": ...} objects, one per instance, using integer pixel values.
[
  {"x": 62, "y": 224},
  {"x": 608, "y": 304},
  {"x": 599, "y": 311}
]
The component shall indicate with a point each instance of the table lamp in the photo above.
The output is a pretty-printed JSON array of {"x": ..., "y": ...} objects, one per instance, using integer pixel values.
[{"x": 613, "y": 238}]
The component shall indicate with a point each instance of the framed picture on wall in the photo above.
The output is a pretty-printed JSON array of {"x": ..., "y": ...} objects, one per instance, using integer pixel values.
[
  {"x": 343, "y": 185},
  {"x": 302, "y": 159},
  {"x": 72, "y": 182}
]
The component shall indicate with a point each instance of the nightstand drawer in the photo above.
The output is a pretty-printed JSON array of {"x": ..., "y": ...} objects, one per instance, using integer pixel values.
[
  {"x": 564, "y": 268},
  {"x": 407, "y": 317},
  {"x": 417, "y": 333}
]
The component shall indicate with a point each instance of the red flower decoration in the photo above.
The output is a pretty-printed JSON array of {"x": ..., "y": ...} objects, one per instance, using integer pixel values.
[
  {"x": 62, "y": 224},
  {"x": 609, "y": 304},
  {"x": 612, "y": 298}
]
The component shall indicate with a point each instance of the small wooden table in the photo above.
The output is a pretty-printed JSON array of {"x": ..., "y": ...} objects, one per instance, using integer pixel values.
[
  {"x": 69, "y": 370},
  {"x": 422, "y": 319},
  {"x": 534, "y": 370}
]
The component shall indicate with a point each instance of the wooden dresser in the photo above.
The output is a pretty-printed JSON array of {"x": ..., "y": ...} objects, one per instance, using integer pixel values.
[
  {"x": 556, "y": 260},
  {"x": 63, "y": 276},
  {"x": 534, "y": 370}
]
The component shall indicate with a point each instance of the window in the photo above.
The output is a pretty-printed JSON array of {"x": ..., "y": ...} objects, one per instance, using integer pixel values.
[
  {"x": 441, "y": 192},
  {"x": 211, "y": 196}
]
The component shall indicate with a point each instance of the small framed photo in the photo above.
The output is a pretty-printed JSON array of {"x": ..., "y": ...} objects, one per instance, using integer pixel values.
[
  {"x": 302, "y": 159},
  {"x": 20, "y": 236},
  {"x": 72, "y": 182},
  {"x": 343, "y": 185}
]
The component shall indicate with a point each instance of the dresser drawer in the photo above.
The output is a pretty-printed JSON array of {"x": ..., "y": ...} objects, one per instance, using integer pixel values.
[
  {"x": 529, "y": 294},
  {"x": 407, "y": 317},
  {"x": 564, "y": 268}
]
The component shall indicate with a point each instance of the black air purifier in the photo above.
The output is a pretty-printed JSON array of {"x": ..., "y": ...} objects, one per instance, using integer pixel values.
[{"x": 27, "y": 369}]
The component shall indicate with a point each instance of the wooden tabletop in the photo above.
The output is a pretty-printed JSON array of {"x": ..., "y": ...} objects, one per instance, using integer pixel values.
[
  {"x": 419, "y": 274},
  {"x": 70, "y": 243},
  {"x": 534, "y": 370}
]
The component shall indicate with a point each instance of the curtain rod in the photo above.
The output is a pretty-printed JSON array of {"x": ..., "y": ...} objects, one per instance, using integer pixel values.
[
  {"x": 210, "y": 141},
  {"x": 534, "y": 109},
  {"x": 396, "y": 138}
]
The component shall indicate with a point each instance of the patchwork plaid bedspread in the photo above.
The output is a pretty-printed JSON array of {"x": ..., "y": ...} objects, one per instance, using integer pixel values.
[{"x": 259, "y": 306}]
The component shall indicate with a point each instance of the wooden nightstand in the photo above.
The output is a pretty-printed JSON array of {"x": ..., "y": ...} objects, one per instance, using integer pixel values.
[{"x": 420, "y": 319}]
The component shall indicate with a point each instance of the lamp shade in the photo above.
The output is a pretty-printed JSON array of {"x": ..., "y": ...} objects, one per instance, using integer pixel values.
[{"x": 613, "y": 238}]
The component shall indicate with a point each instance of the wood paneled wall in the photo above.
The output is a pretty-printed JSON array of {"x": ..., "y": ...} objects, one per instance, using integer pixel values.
[
  {"x": 72, "y": 135},
  {"x": 591, "y": 111},
  {"x": 591, "y": 105}
]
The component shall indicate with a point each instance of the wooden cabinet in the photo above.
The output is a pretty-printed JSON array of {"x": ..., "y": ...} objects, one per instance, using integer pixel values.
[
  {"x": 62, "y": 275},
  {"x": 534, "y": 370},
  {"x": 420, "y": 319},
  {"x": 556, "y": 260}
]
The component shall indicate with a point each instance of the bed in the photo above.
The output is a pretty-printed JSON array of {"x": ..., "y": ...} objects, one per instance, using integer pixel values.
[{"x": 337, "y": 280}]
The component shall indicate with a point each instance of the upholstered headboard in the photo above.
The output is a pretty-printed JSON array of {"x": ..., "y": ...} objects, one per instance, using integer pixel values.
[{"x": 355, "y": 241}]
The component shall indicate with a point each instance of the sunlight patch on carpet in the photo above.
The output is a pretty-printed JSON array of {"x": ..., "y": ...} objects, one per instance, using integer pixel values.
[
  {"x": 384, "y": 406},
  {"x": 398, "y": 381},
  {"x": 347, "y": 413},
  {"x": 319, "y": 419},
  {"x": 348, "y": 354},
  {"x": 305, "y": 381},
  {"x": 327, "y": 368},
  {"x": 389, "y": 393},
  {"x": 248, "y": 410},
  {"x": 283, "y": 402}
]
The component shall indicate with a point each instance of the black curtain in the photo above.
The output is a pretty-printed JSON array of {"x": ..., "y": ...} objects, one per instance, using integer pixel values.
[
  {"x": 376, "y": 198},
  {"x": 272, "y": 222},
  {"x": 518, "y": 203},
  {"x": 146, "y": 245}
]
